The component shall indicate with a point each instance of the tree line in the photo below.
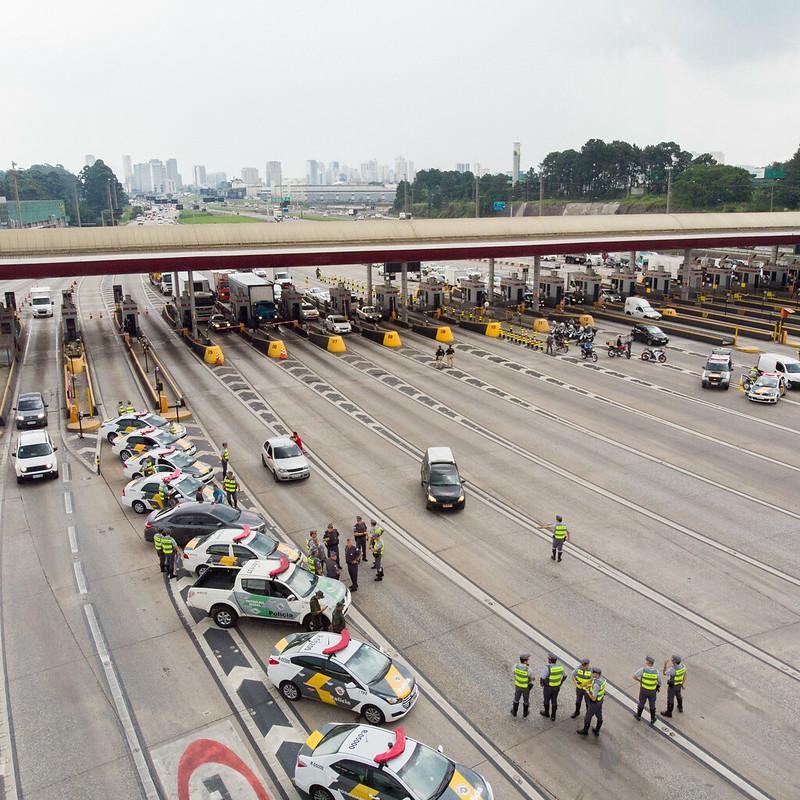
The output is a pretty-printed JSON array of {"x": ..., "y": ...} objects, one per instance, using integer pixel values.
[
  {"x": 613, "y": 171},
  {"x": 90, "y": 189}
]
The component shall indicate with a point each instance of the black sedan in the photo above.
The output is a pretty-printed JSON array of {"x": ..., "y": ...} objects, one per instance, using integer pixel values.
[
  {"x": 187, "y": 520},
  {"x": 649, "y": 334},
  {"x": 444, "y": 488},
  {"x": 219, "y": 322}
]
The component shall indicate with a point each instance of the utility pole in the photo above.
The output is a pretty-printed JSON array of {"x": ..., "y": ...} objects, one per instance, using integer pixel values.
[
  {"x": 77, "y": 206},
  {"x": 541, "y": 189},
  {"x": 16, "y": 194},
  {"x": 669, "y": 185},
  {"x": 477, "y": 205},
  {"x": 110, "y": 206}
]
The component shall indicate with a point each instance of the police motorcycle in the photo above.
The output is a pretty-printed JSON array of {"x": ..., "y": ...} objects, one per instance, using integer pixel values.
[
  {"x": 561, "y": 341},
  {"x": 654, "y": 354},
  {"x": 588, "y": 351},
  {"x": 620, "y": 350}
]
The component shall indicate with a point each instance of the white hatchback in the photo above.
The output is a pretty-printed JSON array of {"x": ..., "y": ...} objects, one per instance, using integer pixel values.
[
  {"x": 232, "y": 547},
  {"x": 142, "y": 494},
  {"x": 284, "y": 459},
  {"x": 336, "y": 323}
]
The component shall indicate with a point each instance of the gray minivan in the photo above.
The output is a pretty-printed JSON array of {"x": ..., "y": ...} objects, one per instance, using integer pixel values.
[
  {"x": 444, "y": 487},
  {"x": 31, "y": 411}
]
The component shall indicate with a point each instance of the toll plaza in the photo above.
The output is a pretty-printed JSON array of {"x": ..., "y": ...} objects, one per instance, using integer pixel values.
[
  {"x": 551, "y": 288},
  {"x": 746, "y": 278},
  {"x": 720, "y": 277},
  {"x": 341, "y": 300},
  {"x": 588, "y": 285},
  {"x": 777, "y": 276},
  {"x": 430, "y": 296},
  {"x": 386, "y": 299},
  {"x": 69, "y": 318},
  {"x": 623, "y": 283},
  {"x": 657, "y": 282},
  {"x": 291, "y": 302},
  {"x": 129, "y": 316},
  {"x": 513, "y": 289},
  {"x": 473, "y": 292}
]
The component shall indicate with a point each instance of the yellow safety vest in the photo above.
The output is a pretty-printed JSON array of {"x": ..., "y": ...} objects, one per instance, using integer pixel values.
[
  {"x": 157, "y": 542},
  {"x": 602, "y": 693},
  {"x": 377, "y": 547},
  {"x": 680, "y": 673},
  {"x": 521, "y": 677},
  {"x": 230, "y": 485},
  {"x": 583, "y": 677},
  {"x": 556, "y": 674},
  {"x": 166, "y": 546},
  {"x": 130, "y": 410},
  {"x": 224, "y": 454},
  {"x": 560, "y": 532},
  {"x": 649, "y": 678}
]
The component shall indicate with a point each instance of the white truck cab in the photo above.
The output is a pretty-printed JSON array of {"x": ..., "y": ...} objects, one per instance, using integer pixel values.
[
  {"x": 41, "y": 301},
  {"x": 639, "y": 307}
]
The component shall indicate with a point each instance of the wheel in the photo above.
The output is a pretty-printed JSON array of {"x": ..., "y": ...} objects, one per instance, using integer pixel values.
[
  {"x": 662, "y": 357},
  {"x": 290, "y": 691},
  {"x": 111, "y": 436},
  {"x": 263, "y": 460},
  {"x": 594, "y": 356},
  {"x": 611, "y": 352},
  {"x": 201, "y": 570},
  {"x": 704, "y": 384},
  {"x": 224, "y": 617},
  {"x": 318, "y": 793},
  {"x": 726, "y": 386},
  {"x": 138, "y": 506},
  {"x": 137, "y": 475},
  {"x": 645, "y": 356},
  {"x": 125, "y": 455},
  {"x": 275, "y": 476},
  {"x": 373, "y": 715},
  {"x": 628, "y": 354},
  {"x": 55, "y": 475}
]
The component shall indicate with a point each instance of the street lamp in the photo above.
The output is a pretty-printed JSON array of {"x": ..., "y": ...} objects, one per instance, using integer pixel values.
[{"x": 669, "y": 184}]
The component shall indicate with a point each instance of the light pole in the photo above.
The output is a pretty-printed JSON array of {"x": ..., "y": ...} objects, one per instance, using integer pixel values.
[{"x": 669, "y": 185}]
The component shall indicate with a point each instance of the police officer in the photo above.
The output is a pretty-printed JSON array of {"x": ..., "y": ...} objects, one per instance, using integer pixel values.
[
  {"x": 224, "y": 457},
  {"x": 676, "y": 680},
  {"x": 560, "y": 534},
  {"x": 450, "y": 352},
  {"x": 377, "y": 554},
  {"x": 120, "y": 408},
  {"x": 331, "y": 539},
  {"x": 162, "y": 561},
  {"x": 170, "y": 549},
  {"x": 315, "y": 563},
  {"x": 360, "y": 533},
  {"x": 312, "y": 543},
  {"x": 439, "y": 357},
  {"x": 523, "y": 680},
  {"x": 337, "y": 619},
  {"x": 130, "y": 408},
  {"x": 550, "y": 680},
  {"x": 650, "y": 683},
  {"x": 149, "y": 467},
  {"x": 316, "y": 611},
  {"x": 373, "y": 525},
  {"x": 582, "y": 678},
  {"x": 231, "y": 487},
  {"x": 594, "y": 703},
  {"x": 162, "y": 495}
]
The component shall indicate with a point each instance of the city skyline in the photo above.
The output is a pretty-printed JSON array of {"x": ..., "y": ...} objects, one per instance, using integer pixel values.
[{"x": 441, "y": 83}]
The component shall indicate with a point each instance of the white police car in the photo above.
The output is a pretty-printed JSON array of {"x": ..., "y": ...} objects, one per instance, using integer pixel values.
[
  {"x": 768, "y": 387},
  {"x": 168, "y": 459},
  {"x": 346, "y": 761},
  {"x": 111, "y": 428},
  {"x": 142, "y": 494},
  {"x": 232, "y": 547},
  {"x": 127, "y": 445},
  {"x": 344, "y": 672}
]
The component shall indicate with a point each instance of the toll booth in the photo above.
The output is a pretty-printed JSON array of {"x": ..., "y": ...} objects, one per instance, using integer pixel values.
[
  {"x": 623, "y": 283},
  {"x": 720, "y": 277},
  {"x": 129, "y": 316},
  {"x": 512, "y": 288},
  {"x": 551, "y": 289},
  {"x": 776, "y": 276},
  {"x": 184, "y": 311},
  {"x": 117, "y": 289},
  {"x": 386, "y": 299},
  {"x": 341, "y": 300},
  {"x": 473, "y": 292},
  {"x": 657, "y": 282},
  {"x": 431, "y": 296},
  {"x": 587, "y": 285},
  {"x": 69, "y": 318},
  {"x": 7, "y": 320},
  {"x": 291, "y": 302},
  {"x": 746, "y": 278},
  {"x": 696, "y": 278}
]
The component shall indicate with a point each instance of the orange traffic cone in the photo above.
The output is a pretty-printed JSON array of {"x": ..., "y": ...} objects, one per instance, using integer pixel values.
[
  {"x": 218, "y": 360},
  {"x": 283, "y": 353}
]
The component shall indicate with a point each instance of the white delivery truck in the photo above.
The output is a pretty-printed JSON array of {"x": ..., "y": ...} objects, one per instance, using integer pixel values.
[
  {"x": 41, "y": 301},
  {"x": 639, "y": 307}
]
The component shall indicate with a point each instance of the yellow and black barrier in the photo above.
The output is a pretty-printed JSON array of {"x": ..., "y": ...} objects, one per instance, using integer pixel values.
[
  {"x": 333, "y": 344},
  {"x": 440, "y": 333},
  {"x": 214, "y": 355},
  {"x": 486, "y": 328},
  {"x": 386, "y": 338}
]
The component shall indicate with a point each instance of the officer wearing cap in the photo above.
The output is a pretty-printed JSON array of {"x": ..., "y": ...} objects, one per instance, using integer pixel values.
[
  {"x": 316, "y": 611},
  {"x": 595, "y": 695},
  {"x": 582, "y": 678},
  {"x": 550, "y": 680},
  {"x": 360, "y": 534},
  {"x": 337, "y": 620},
  {"x": 560, "y": 535},
  {"x": 650, "y": 683},
  {"x": 523, "y": 680},
  {"x": 676, "y": 680},
  {"x": 312, "y": 544}
]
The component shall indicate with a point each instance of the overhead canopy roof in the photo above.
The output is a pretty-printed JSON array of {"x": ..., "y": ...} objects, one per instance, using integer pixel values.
[{"x": 142, "y": 248}]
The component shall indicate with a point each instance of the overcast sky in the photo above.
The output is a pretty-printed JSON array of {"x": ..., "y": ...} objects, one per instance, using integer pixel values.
[{"x": 235, "y": 83}]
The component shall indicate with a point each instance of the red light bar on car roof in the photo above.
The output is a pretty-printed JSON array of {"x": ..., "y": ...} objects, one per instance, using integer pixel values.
[
  {"x": 284, "y": 565},
  {"x": 141, "y": 413},
  {"x": 147, "y": 430},
  {"x": 172, "y": 475},
  {"x": 167, "y": 451},
  {"x": 395, "y": 750},
  {"x": 246, "y": 531},
  {"x": 340, "y": 645}
]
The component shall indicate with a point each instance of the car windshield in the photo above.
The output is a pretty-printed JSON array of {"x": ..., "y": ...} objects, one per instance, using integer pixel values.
[
  {"x": 261, "y": 543},
  {"x": 41, "y": 301},
  {"x": 427, "y": 773},
  {"x": 717, "y": 366},
  {"x": 301, "y": 582},
  {"x": 180, "y": 460},
  {"x": 444, "y": 476},
  {"x": 32, "y": 404},
  {"x": 287, "y": 451},
  {"x": 769, "y": 381},
  {"x": 337, "y": 319},
  {"x": 33, "y": 450},
  {"x": 368, "y": 664},
  {"x": 187, "y": 485},
  {"x": 791, "y": 366},
  {"x": 369, "y": 310},
  {"x": 154, "y": 420},
  {"x": 651, "y": 329}
]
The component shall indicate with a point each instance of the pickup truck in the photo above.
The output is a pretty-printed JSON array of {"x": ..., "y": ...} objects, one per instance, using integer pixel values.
[{"x": 267, "y": 588}]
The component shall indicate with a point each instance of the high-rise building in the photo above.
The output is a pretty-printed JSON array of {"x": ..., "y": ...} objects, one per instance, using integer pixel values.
[
  {"x": 250, "y": 176},
  {"x": 173, "y": 174},
  {"x": 215, "y": 179},
  {"x": 199, "y": 176},
  {"x": 515, "y": 164},
  {"x": 159, "y": 175},
  {"x": 127, "y": 172},
  {"x": 90, "y": 159},
  {"x": 142, "y": 181},
  {"x": 274, "y": 176},
  {"x": 404, "y": 170},
  {"x": 313, "y": 170},
  {"x": 462, "y": 167}
]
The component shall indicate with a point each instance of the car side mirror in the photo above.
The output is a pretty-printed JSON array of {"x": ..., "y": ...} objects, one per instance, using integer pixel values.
[
  {"x": 291, "y": 597},
  {"x": 55, "y": 447},
  {"x": 463, "y": 481}
]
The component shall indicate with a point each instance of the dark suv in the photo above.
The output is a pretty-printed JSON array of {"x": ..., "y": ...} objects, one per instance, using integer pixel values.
[
  {"x": 31, "y": 411},
  {"x": 187, "y": 520}
]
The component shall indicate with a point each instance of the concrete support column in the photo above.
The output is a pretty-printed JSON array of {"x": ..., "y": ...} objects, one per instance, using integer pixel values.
[
  {"x": 632, "y": 265},
  {"x": 537, "y": 271},
  {"x": 369, "y": 285},
  {"x": 191, "y": 304},
  {"x": 404, "y": 292},
  {"x": 490, "y": 290},
  {"x": 775, "y": 254},
  {"x": 687, "y": 261}
]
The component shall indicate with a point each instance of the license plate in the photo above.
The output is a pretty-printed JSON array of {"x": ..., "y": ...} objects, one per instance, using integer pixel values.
[
  {"x": 447, "y": 505},
  {"x": 40, "y": 475}
]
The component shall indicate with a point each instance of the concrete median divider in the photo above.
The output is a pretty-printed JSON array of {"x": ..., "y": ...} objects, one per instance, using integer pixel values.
[
  {"x": 213, "y": 355},
  {"x": 333, "y": 344},
  {"x": 384, "y": 337},
  {"x": 441, "y": 333},
  {"x": 486, "y": 328}
]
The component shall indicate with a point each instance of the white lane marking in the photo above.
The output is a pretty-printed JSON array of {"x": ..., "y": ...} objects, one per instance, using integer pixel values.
[
  {"x": 118, "y": 696},
  {"x": 66, "y": 472},
  {"x": 73, "y": 539},
  {"x": 80, "y": 579},
  {"x": 68, "y": 502}
]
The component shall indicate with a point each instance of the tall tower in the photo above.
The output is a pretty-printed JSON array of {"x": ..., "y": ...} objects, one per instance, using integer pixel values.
[{"x": 515, "y": 164}]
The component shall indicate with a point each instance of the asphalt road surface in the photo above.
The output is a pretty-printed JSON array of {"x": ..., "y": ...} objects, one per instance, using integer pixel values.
[{"x": 681, "y": 503}]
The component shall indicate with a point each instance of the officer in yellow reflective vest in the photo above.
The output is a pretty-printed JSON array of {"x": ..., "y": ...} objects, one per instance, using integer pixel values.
[
  {"x": 523, "y": 680},
  {"x": 170, "y": 549},
  {"x": 676, "y": 680},
  {"x": 582, "y": 678},
  {"x": 231, "y": 487},
  {"x": 550, "y": 680},
  {"x": 224, "y": 457},
  {"x": 130, "y": 408},
  {"x": 377, "y": 554},
  {"x": 650, "y": 683},
  {"x": 594, "y": 703},
  {"x": 149, "y": 467},
  {"x": 157, "y": 542},
  {"x": 162, "y": 495},
  {"x": 560, "y": 535}
]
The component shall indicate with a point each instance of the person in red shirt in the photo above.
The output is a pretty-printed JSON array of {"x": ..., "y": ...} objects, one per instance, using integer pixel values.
[{"x": 297, "y": 440}]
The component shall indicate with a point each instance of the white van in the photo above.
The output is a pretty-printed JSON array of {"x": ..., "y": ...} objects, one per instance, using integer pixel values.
[
  {"x": 639, "y": 307},
  {"x": 784, "y": 365}
]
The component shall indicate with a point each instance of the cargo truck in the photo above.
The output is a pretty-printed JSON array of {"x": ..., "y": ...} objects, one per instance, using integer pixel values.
[
  {"x": 219, "y": 279},
  {"x": 203, "y": 296},
  {"x": 41, "y": 301},
  {"x": 252, "y": 299}
]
